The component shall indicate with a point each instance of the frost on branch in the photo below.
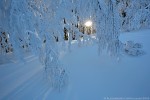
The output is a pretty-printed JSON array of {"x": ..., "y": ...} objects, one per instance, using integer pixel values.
[
  {"x": 29, "y": 26},
  {"x": 109, "y": 26}
]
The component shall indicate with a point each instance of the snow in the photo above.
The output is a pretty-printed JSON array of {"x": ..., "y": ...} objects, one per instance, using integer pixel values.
[
  {"x": 94, "y": 77},
  {"x": 34, "y": 66},
  {"x": 91, "y": 76}
]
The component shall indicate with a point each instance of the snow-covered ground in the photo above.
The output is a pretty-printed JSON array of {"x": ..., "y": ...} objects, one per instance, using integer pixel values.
[{"x": 91, "y": 76}]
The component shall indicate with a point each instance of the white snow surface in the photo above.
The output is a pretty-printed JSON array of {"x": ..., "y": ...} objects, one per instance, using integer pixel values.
[{"x": 91, "y": 76}]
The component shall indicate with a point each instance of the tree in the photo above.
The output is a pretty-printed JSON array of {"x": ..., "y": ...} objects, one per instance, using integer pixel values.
[{"x": 29, "y": 22}]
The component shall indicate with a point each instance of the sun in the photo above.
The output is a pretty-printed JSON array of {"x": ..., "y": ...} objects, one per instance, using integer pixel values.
[{"x": 88, "y": 23}]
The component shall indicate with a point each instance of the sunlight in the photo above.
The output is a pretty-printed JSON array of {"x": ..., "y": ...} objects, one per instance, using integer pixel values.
[{"x": 88, "y": 23}]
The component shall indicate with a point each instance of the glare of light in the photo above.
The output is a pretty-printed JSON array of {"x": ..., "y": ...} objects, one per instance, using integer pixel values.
[{"x": 88, "y": 23}]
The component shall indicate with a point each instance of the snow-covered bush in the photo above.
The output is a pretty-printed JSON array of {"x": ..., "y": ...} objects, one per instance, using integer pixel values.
[{"x": 132, "y": 49}]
